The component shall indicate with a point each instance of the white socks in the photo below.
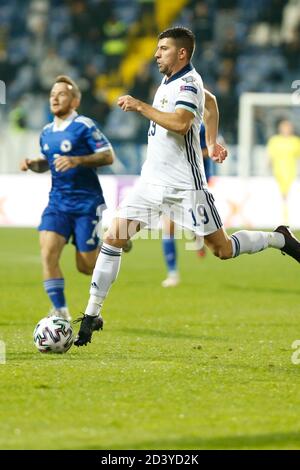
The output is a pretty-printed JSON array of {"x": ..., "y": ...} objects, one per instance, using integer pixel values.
[
  {"x": 250, "y": 242},
  {"x": 104, "y": 274},
  {"x": 276, "y": 240},
  {"x": 109, "y": 260}
]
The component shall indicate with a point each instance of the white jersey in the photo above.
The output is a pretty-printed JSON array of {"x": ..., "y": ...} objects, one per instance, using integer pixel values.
[{"x": 173, "y": 159}]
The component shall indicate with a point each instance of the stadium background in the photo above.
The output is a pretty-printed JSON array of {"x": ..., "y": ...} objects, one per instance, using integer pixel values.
[{"x": 204, "y": 366}]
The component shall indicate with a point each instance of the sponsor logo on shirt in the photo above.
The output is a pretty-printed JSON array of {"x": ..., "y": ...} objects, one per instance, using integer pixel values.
[{"x": 188, "y": 88}]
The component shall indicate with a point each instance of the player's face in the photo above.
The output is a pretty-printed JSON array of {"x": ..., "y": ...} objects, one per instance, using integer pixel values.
[
  {"x": 168, "y": 56},
  {"x": 286, "y": 128},
  {"x": 62, "y": 101}
]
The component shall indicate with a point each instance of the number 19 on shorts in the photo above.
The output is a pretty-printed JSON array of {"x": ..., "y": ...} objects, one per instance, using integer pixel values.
[{"x": 200, "y": 217}]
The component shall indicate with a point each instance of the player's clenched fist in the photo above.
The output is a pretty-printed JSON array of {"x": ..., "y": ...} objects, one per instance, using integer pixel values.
[
  {"x": 128, "y": 103},
  {"x": 65, "y": 163},
  {"x": 36, "y": 165},
  {"x": 25, "y": 164},
  {"x": 217, "y": 152}
]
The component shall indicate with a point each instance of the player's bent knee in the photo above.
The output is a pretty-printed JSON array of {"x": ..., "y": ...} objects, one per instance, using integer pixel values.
[
  {"x": 113, "y": 241},
  {"x": 222, "y": 253},
  {"x": 224, "y": 256}
]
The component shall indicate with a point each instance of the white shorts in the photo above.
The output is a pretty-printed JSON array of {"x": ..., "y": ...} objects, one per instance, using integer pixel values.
[{"x": 192, "y": 209}]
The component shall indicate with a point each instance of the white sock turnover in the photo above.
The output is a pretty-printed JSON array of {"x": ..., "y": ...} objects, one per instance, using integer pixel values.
[
  {"x": 104, "y": 274},
  {"x": 246, "y": 241}
]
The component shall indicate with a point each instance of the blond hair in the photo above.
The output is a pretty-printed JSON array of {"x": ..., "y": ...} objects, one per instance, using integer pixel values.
[{"x": 72, "y": 86}]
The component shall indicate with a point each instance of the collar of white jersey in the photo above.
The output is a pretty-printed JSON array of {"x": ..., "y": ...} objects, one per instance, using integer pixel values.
[
  {"x": 187, "y": 68},
  {"x": 65, "y": 122}
]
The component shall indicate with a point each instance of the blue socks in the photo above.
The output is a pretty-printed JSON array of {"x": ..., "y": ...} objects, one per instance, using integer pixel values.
[
  {"x": 55, "y": 290},
  {"x": 169, "y": 250}
]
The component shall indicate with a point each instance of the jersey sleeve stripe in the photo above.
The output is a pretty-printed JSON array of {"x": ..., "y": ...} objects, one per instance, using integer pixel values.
[
  {"x": 85, "y": 120},
  {"x": 103, "y": 149},
  {"x": 181, "y": 106},
  {"x": 186, "y": 103}
]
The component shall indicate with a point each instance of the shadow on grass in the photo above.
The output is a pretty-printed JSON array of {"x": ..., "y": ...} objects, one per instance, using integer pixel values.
[{"x": 256, "y": 441}]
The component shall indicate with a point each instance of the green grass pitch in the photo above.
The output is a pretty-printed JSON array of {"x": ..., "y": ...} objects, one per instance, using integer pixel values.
[{"x": 204, "y": 366}]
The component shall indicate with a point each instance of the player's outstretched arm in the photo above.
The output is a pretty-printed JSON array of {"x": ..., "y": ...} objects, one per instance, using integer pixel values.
[
  {"x": 180, "y": 121},
  {"x": 94, "y": 160},
  {"x": 39, "y": 165}
]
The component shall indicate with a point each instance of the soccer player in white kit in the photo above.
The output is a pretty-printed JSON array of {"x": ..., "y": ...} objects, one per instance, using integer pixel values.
[{"x": 173, "y": 180}]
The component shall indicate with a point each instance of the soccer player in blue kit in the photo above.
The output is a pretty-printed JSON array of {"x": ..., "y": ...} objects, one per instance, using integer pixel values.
[{"x": 72, "y": 148}]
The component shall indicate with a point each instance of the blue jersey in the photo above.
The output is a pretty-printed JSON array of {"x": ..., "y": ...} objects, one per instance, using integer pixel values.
[
  {"x": 76, "y": 190},
  {"x": 202, "y": 137},
  {"x": 207, "y": 161}
]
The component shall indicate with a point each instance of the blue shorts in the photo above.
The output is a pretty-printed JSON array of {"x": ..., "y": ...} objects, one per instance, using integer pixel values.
[{"x": 84, "y": 230}]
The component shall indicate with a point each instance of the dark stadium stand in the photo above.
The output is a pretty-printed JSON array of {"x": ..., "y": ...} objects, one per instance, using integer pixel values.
[{"x": 242, "y": 45}]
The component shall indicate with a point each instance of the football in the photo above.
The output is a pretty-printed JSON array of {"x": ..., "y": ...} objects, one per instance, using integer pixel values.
[{"x": 53, "y": 335}]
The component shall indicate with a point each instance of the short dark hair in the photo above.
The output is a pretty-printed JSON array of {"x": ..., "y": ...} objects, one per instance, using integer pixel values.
[
  {"x": 71, "y": 85},
  {"x": 184, "y": 37}
]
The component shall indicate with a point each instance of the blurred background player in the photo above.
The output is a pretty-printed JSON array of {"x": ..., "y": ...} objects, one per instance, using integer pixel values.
[
  {"x": 72, "y": 148},
  {"x": 168, "y": 241},
  {"x": 284, "y": 149}
]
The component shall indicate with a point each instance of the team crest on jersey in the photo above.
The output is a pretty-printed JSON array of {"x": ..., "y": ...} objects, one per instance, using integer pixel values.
[
  {"x": 97, "y": 134},
  {"x": 46, "y": 147},
  {"x": 188, "y": 79},
  {"x": 163, "y": 101},
  {"x": 65, "y": 146}
]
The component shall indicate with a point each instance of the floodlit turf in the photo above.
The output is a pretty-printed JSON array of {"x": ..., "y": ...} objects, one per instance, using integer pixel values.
[{"x": 206, "y": 365}]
